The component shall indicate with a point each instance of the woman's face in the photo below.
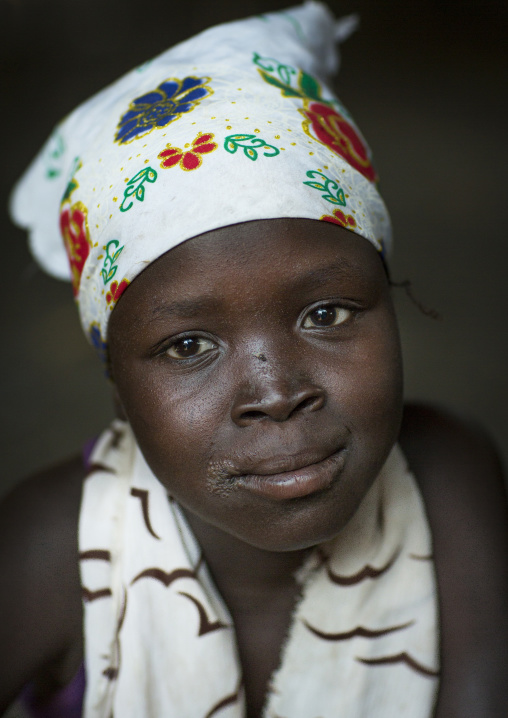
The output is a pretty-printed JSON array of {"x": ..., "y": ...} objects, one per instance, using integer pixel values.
[{"x": 259, "y": 366}]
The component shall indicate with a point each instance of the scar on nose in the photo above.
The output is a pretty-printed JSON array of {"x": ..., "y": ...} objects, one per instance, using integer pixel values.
[{"x": 261, "y": 357}]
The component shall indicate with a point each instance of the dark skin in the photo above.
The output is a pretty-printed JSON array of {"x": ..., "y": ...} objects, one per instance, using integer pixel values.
[{"x": 232, "y": 352}]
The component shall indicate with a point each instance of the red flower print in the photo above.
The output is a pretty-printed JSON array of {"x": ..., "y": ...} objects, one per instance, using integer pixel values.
[
  {"x": 345, "y": 220},
  {"x": 190, "y": 159},
  {"x": 74, "y": 229},
  {"x": 334, "y": 131},
  {"x": 116, "y": 290}
]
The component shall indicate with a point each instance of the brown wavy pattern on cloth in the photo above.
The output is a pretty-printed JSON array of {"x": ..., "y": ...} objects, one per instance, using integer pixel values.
[
  {"x": 366, "y": 572},
  {"x": 121, "y": 618},
  {"x": 227, "y": 701},
  {"x": 168, "y": 578},
  {"x": 111, "y": 672},
  {"x": 116, "y": 437},
  {"x": 359, "y": 631},
  {"x": 99, "y": 467},
  {"x": 143, "y": 496},
  {"x": 95, "y": 554},
  {"x": 205, "y": 625},
  {"x": 90, "y": 596},
  {"x": 400, "y": 658}
]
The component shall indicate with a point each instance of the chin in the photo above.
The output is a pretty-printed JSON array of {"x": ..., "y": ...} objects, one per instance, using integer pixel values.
[{"x": 302, "y": 524}]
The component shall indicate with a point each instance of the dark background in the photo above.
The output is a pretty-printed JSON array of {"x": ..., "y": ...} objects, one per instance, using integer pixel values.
[{"x": 426, "y": 81}]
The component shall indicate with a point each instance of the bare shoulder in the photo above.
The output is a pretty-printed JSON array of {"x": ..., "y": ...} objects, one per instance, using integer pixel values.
[
  {"x": 461, "y": 480},
  {"x": 40, "y": 598}
]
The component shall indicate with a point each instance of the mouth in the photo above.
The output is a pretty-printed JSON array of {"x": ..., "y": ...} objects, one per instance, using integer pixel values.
[{"x": 302, "y": 479}]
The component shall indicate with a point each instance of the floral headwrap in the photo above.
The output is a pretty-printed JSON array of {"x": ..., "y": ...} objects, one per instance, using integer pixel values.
[{"x": 235, "y": 124}]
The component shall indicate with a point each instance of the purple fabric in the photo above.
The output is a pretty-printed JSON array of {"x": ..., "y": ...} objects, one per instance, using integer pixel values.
[
  {"x": 87, "y": 451},
  {"x": 67, "y": 703}
]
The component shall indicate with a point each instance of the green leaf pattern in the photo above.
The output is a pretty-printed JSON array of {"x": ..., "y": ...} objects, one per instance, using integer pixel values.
[
  {"x": 250, "y": 144},
  {"x": 294, "y": 83},
  {"x": 282, "y": 76},
  {"x": 73, "y": 183},
  {"x": 53, "y": 155},
  {"x": 136, "y": 187},
  {"x": 271, "y": 65},
  {"x": 109, "y": 266},
  {"x": 333, "y": 193},
  {"x": 310, "y": 86}
]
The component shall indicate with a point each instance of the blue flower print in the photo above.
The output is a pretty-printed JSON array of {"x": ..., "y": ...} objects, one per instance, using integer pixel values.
[{"x": 158, "y": 108}]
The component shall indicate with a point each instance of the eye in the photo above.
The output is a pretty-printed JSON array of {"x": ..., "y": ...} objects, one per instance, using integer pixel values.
[
  {"x": 326, "y": 316},
  {"x": 189, "y": 347}
]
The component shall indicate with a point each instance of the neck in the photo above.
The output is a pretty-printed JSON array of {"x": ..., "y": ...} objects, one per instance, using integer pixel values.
[{"x": 244, "y": 574}]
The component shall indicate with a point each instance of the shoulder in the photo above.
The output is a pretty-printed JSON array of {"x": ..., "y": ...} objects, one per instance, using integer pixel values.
[
  {"x": 460, "y": 476},
  {"x": 461, "y": 480},
  {"x": 40, "y": 599},
  {"x": 452, "y": 439}
]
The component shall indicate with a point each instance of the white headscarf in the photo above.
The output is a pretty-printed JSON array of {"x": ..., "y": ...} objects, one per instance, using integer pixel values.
[{"x": 236, "y": 124}]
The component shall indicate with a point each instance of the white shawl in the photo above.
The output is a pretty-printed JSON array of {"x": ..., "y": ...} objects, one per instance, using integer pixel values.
[{"x": 159, "y": 641}]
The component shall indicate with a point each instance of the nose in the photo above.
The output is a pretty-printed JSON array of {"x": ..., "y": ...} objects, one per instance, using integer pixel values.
[{"x": 274, "y": 397}]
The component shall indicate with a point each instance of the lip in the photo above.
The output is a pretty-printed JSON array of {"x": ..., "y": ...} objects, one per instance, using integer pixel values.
[{"x": 297, "y": 482}]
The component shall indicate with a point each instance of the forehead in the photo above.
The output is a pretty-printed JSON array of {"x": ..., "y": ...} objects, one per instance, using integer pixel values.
[
  {"x": 264, "y": 246},
  {"x": 276, "y": 255}
]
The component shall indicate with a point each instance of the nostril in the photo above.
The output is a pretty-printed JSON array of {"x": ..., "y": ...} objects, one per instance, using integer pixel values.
[
  {"x": 281, "y": 410},
  {"x": 313, "y": 402},
  {"x": 253, "y": 415},
  {"x": 307, "y": 403}
]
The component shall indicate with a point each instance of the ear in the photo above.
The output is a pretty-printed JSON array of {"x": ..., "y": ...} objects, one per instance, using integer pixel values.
[{"x": 117, "y": 403}]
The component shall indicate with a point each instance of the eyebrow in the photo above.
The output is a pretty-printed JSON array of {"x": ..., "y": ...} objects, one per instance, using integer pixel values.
[
  {"x": 323, "y": 275},
  {"x": 195, "y": 306},
  {"x": 186, "y": 308}
]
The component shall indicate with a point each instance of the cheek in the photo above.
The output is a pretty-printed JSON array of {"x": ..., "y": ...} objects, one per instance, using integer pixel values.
[
  {"x": 174, "y": 421},
  {"x": 374, "y": 390}
]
